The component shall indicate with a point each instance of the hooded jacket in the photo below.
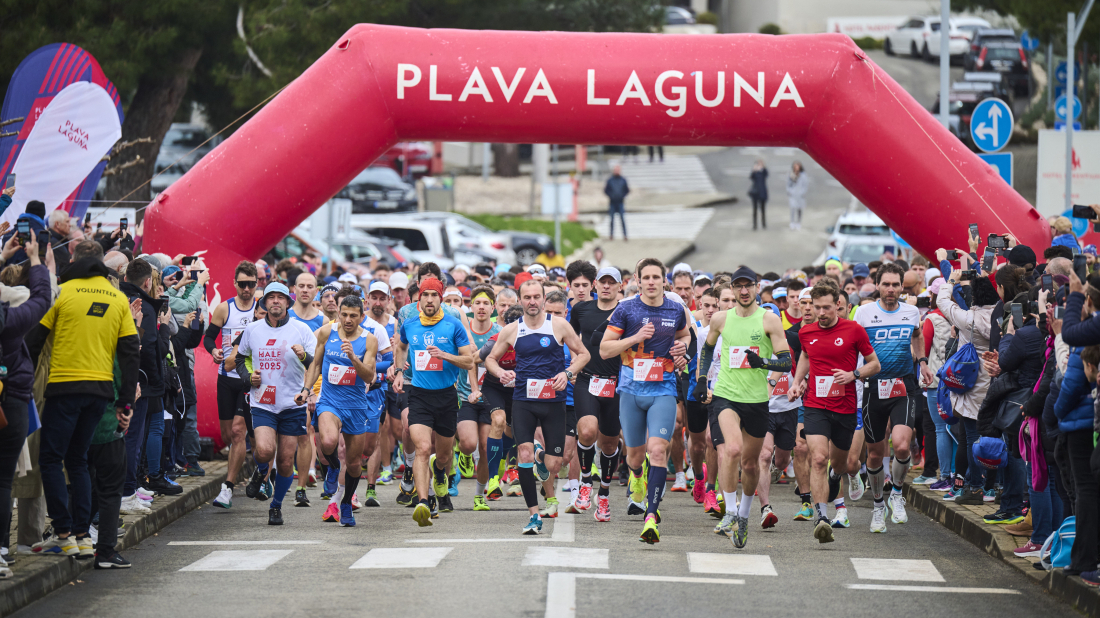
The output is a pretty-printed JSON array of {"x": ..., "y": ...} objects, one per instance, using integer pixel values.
[
  {"x": 1074, "y": 406},
  {"x": 154, "y": 342}
]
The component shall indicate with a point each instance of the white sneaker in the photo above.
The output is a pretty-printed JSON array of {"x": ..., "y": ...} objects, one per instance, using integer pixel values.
[
  {"x": 878, "y": 519},
  {"x": 897, "y": 508},
  {"x": 855, "y": 487},
  {"x": 93, "y": 534},
  {"x": 131, "y": 505},
  {"x": 5, "y": 572},
  {"x": 681, "y": 483},
  {"x": 225, "y": 497}
]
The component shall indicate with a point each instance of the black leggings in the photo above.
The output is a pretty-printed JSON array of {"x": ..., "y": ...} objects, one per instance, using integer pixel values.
[
  {"x": 759, "y": 204},
  {"x": 550, "y": 415},
  {"x": 11, "y": 446}
]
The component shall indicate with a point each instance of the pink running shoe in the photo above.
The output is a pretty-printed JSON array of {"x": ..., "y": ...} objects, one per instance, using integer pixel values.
[
  {"x": 332, "y": 513},
  {"x": 603, "y": 509},
  {"x": 584, "y": 497}
]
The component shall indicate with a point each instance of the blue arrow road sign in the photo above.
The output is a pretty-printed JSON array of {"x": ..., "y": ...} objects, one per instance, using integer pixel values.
[
  {"x": 991, "y": 125},
  {"x": 1060, "y": 72},
  {"x": 1029, "y": 43},
  {"x": 1061, "y": 126},
  {"x": 1001, "y": 162},
  {"x": 1060, "y": 108}
]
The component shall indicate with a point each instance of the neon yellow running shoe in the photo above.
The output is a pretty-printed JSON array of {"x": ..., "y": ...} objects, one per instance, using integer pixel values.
[
  {"x": 492, "y": 489},
  {"x": 637, "y": 488},
  {"x": 422, "y": 515},
  {"x": 480, "y": 504},
  {"x": 650, "y": 534},
  {"x": 440, "y": 487}
]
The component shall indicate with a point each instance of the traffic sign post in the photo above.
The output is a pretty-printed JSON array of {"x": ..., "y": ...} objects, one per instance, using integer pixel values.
[
  {"x": 991, "y": 125},
  {"x": 1001, "y": 162},
  {"x": 1060, "y": 105},
  {"x": 1029, "y": 43},
  {"x": 1063, "y": 67}
]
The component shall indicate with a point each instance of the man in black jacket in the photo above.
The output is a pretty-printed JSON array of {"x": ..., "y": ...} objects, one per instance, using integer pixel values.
[
  {"x": 616, "y": 190},
  {"x": 59, "y": 238}
]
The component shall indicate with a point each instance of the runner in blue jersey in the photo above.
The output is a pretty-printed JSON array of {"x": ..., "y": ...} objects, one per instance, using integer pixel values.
[
  {"x": 650, "y": 334},
  {"x": 891, "y": 396},
  {"x": 380, "y": 324},
  {"x": 345, "y": 361},
  {"x": 305, "y": 291},
  {"x": 478, "y": 421},
  {"x": 541, "y": 376},
  {"x": 440, "y": 349},
  {"x": 554, "y": 304}
]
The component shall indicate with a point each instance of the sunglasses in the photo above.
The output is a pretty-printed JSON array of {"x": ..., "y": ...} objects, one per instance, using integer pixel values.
[{"x": 246, "y": 284}]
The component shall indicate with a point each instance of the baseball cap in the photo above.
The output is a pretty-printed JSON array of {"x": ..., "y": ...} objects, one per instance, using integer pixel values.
[
  {"x": 771, "y": 307},
  {"x": 1021, "y": 255},
  {"x": 537, "y": 270},
  {"x": 682, "y": 267},
  {"x": 276, "y": 287},
  {"x": 484, "y": 270},
  {"x": 744, "y": 273},
  {"x": 557, "y": 271},
  {"x": 521, "y": 278},
  {"x": 861, "y": 270},
  {"x": 503, "y": 268},
  {"x": 930, "y": 275},
  {"x": 348, "y": 278},
  {"x": 610, "y": 271},
  {"x": 379, "y": 286},
  {"x": 169, "y": 270},
  {"x": 399, "y": 281},
  {"x": 779, "y": 293},
  {"x": 462, "y": 267},
  {"x": 702, "y": 277},
  {"x": 805, "y": 293}
]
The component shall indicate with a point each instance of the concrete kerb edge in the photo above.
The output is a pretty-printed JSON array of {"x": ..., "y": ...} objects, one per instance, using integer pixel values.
[
  {"x": 970, "y": 527},
  {"x": 26, "y": 590}
]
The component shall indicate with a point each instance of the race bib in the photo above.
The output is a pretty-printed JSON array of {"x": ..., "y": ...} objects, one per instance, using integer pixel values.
[
  {"x": 826, "y": 387},
  {"x": 888, "y": 389},
  {"x": 236, "y": 332},
  {"x": 782, "y": 385},
  {"x": 739, "y": 357},
  {"x": 541, "y": 389},
  {"x": 341, "y": 375},
  {"x": 648, "y": 370},
  {"x": 480, "y": 376},
  {"x": 602, "y": 387},
  {"x": 426, "y": 362},
  {"x": 268, "y": 395}
]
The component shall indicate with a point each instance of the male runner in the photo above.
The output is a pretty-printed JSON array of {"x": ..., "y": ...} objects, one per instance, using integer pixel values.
[
  {"x": 830, "y": 350},
  {"x": 345, "y": 358},
  {"x": 229, "y": 320},
  {"x": 499, "y": 397},
  {"x": 650, "y": 333},
  {"x": 682, "y": 286},
  {"x": 539, "y": 396},
  {"x": 440, "y": 350},
  {"x": 595, "y": 397},
  {"x": 695, "y": 410},
  {"x": 328, "y": 302},
  {"x": 278, "y": 349},
  {"x": 750, "y": 335},
  {"x": 478, "y": 422},
  {"x": 892, "y": 393},
  {"x": 380, "y": 324},
  {"x": 305, "y": 290},
  {"x": 801, "y": 454},
  {"x": 553, "y": 304}
]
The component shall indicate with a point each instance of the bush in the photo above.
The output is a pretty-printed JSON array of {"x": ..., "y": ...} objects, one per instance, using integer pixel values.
[
  {"x": 867, "y": 42},
  {"x": 706, "y": 17},
  {"x": 770, "y": 29},
  {"x": 573, "y": 235}
]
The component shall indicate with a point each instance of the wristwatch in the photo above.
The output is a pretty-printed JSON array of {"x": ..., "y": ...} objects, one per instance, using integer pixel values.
[
  {"x": 568, "y": 375},
  {"x": 772, "y": 382},
  {"x": 922, "y": 360},
  {"x": 855, "y": 372}
]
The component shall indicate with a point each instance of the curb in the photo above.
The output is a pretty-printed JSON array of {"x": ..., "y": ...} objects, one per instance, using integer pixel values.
[
  {"x": 994, "y": 541},
  {"x": 37, "y": 576}
]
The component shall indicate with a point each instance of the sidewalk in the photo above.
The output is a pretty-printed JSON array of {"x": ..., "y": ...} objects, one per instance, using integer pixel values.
[
  {"x": 966, "y": 521},
  {"x": 37, "y": 576}
]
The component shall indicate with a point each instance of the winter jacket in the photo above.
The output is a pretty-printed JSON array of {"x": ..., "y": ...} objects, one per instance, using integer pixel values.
[
  {"x": 20, "y": 320},
  {"x": 796, "y": 190},
  {"x": 1023, "y": 353},
  {"x": 967, "y": 404},
  {"x": 616, "y": 189},
  {"x": 936, "y": 331},
  {"x": 185, "y": 300},
  {"x": 759, "y": 190},
  {"x": 1075, "y": 331},
  {"x": 154, "y": 341},
  {"x": 1074, "y": 406},
  {"x": 61, "y": 255}
]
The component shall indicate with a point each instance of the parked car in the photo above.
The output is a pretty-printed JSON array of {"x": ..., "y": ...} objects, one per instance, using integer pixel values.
[
  {"x": 962, "y": 28},
  {"x": 410, "y": 160},
  {"x": 187, "y": 139},
  {"x": 1008, "y": 59},
  {"x": 510, "y": 246},
  {"x": 965, "y": 96},
  {"x": 858, "y": 233},
  {"x": 380, "y": 189},
  {"x": 981, "y": 37},
  {"x": 357, "y": 247},
  {"x": 675, "y": 15},
  {"x": 427, "y": 239},
  {"x": 910, "y": 36}
]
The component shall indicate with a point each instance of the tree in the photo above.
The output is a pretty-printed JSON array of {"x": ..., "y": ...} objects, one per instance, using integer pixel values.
[{"x": 1045, "y": 20}]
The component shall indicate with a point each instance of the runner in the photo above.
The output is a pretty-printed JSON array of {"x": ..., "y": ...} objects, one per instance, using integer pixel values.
[
  {"x": 775, "y": 453},
  {"x": 750, "y": 335},
  {"x": 478, "y": 422},
  {"x": 554, "y": 303},
  {"x": 892, "y": 393},
  {"x": 595, "y": 397},
  {"x": 801, "y": 454},
  {"x": 345, "y": 357},
  {"x": 650, "y": 333},
  {"x": 229, "y": 320},
  {"x": 440, "y": 350},
  {"x": 305, "y": 290},
  {"x": 830, "y": 350},
  {"x": 278, "y": 350},
  {"x": 380, "y": 324},
  {"x": 499, "y": 398},
  {"x": 695, "y": 409}
]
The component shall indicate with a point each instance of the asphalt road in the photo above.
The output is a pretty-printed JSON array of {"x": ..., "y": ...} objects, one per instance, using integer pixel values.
[{"x": 477, "y": 564}]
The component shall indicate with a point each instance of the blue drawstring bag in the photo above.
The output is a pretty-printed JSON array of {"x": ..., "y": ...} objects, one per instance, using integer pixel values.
[
  {"x": 991, "y": 453},
  {"x": 1056, "y": 549},
  {"x": 943, "y": 404},
  {"x": 960, "y": 372}
]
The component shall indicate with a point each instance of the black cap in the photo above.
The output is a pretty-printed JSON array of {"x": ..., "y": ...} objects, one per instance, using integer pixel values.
[
  {"x": 744, "y": 273},
  {"x": 1021, "y": 255},
  {"x": 36, "y": 208}
]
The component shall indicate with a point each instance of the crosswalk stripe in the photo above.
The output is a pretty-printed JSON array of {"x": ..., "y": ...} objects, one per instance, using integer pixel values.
[
  {"x": 730, "y": 564},
  {"x": 896, "y": 569},
  {"x": 199, "y": 543},
  {"x": 238, "y": 560},
  {"x": 936, "y": 589},
  {"x": 564, "y": 528},
  {"x": 572, "y": 557},
  {"x": 561, "y": 588},
  {"x": 677, "y": 223},
  {"x": 677, "y": 174},
  {"x": 402, "y": 558}
]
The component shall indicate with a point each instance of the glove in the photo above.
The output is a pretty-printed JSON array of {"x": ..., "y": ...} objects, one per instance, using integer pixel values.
[
  {"x": 700, "y": 391},
  {"x": 754, "y": 360}
]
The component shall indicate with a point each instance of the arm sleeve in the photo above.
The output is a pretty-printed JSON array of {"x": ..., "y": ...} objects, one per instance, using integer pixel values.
[
  {"x": 210, "y": 338},
  {"x": 486, "y": 350},
  {"x": 381, "y": 366},
  {"x": 928, "y": 330}
]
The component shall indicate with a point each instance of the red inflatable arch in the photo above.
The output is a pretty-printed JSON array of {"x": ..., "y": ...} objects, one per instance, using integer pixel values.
[{"x": 381, "y": 84}]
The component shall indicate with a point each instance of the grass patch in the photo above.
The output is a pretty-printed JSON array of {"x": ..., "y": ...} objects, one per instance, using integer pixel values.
[
  {"x": 573, "y": 235},
  {"x": 867, "y": 42}
]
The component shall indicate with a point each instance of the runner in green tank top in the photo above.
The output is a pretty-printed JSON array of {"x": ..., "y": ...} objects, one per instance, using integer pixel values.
[{"x": 739, "y": 416}]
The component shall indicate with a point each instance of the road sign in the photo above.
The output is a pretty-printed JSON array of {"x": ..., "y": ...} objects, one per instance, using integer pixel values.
[
  {"x": 1060, "y": 107},
  {"x": 1001, "y": 162},
  {"x": 1060, "y": 72},
  {"x": 1028, "y": 42},
  {"x": 1080, "y": 226},
  {"x": 991, "y": 125},
  {"x": 1061, "y": 126}
]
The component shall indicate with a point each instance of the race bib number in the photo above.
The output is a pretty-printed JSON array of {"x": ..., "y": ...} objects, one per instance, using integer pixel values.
[
  {"x": 602, "y": 387},
  {"x": 426, "y": 362},
  {"x": 826, "y": 387},
  {"x": 541, "y": 389},
  {"x": 267, "y": 395},
  {"x": 341, "y": 375},
  {"x": 480, "y": 376},
  {"x": 236, "y": 332},
  {"x": 739, "y": 356},
  {"x": 648, "y": 370},
  {"x": 888, "y": 389},
  {"x": 782, "y": 385}
]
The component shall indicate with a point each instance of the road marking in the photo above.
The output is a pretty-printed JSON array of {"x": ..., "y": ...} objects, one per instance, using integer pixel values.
[
  {"x": 674, "y": 222},
  {"x": 196, "y": 543},
  {"x": 238, "y": 560},
  {"x": 561, "y": 588},
  {"x": 892, "y": 569},
  {"x": 564, "y": 530},
  {"x": 730, "y": 564},
  {"x": 936, "y": 589},
  {"x": 402, "y": 558},
  {"x": 518, "y": 539},
  {"x": 579, "y": 558}
]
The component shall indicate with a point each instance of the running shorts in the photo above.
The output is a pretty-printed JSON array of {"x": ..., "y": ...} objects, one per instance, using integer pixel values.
[
  {"x": 605, "y": 409},
  {"x": 231, "y": 401},
  {"x": 753, "y": 416},
  {"x": 437, "y": 409},
  {"x": 643, "y": 417},
  {"x": 783, "y": 426},
  {"x": 838, "y": 428},
  {"x": 479, "y": 412},
  {"x": 498, "y": 398},
  {"x": 550, "y": 415},
  {"x": 290, "y": 422},
  {"x": 697, "y": 416},
  {"x": 879, "y": 413}
]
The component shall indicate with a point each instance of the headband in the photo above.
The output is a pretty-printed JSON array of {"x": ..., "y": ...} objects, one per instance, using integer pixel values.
[
  {"x": 837, "y": 262},
  {"x": 452, "y": 293},
  {"x": 481, "y": 294}
]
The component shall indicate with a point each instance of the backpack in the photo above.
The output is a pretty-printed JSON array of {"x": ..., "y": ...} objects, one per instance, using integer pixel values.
[
  {"x": 1056, "y": 549},
  {"x": 943, "y": 404},
  {"x": 960, "y": 371}
]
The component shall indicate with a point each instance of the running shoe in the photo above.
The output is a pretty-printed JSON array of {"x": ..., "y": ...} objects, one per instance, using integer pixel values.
[
  {"x": 405, "y": 498},
  {"x": 1003, "y": 517},
  {"x": 726, "y": 525},
  {"x": 878, "y": 518},
  {"x": 551, "y": 509},
  {"x": 386, "y": 477},
  {"x": 300, "y": 498},
  {"x": 331, "y": 484},
  {"x": 855, "y": 487},
  {"x": 372, "y": 498},
  {"x": 896, "y": 502},
  {"x": 635, "y": 508},
  {"x": 924, "y": 480},
  {"x": 603, "y": 509},
  {"x": 806, "y": 513},
  {"x": 741, "y": 535},
  {"x": 515, "y": 490},
  {"x": 444, "y": 504},
  {"x": 511, "y": 475},
  {"x": 433, "y": 504},
  {"x": 480, "y": 504},
  {"x": 267, "y": 488},
  {"x": 534, "y": 525},
  {"x": 720, "y": 500},
  {"x": 650, "y": 534},
  {"x": 823, "y": 531},
  {"x": 541, "y": 471},
  {"x": 225, "y": 497},
  {"x": 699, "y": 490},
  {"x": 113, "y": 560},
  {"x": 841, "y": 519},
  {"x": 951, "y": 494},
  {"x": 422, "y": 515},
  {"x": 681, "y": 483},
  {"x": 355, "y": 504},
  {"x": 989, "y": 495},
  {"x": 941, "y": 485},
  {"x": 776, "y": 474},
  {"x": 57, "y": 546},
  {"x": 1030, "y": 550},
  {"x": 332, "y": 513},
  {"x": 311, "y": 480},
  {"x": 274, "y": 516},
  {"x": 768, "y": 518},
  {"x": 710, "y": 504},
  {"x": 452, "y": 487},
  {"x": 131, "y": 505},
  {"x": 637, "y": 489},
  {"x": 584, "y": 497},
  {"x": 439, "y": 487},
  {"x": 347, "y": 519},
  {"x": 466, "y": 466},
  {"x": 253, "y": 488},
  {"x": 492, "y": 489}
]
